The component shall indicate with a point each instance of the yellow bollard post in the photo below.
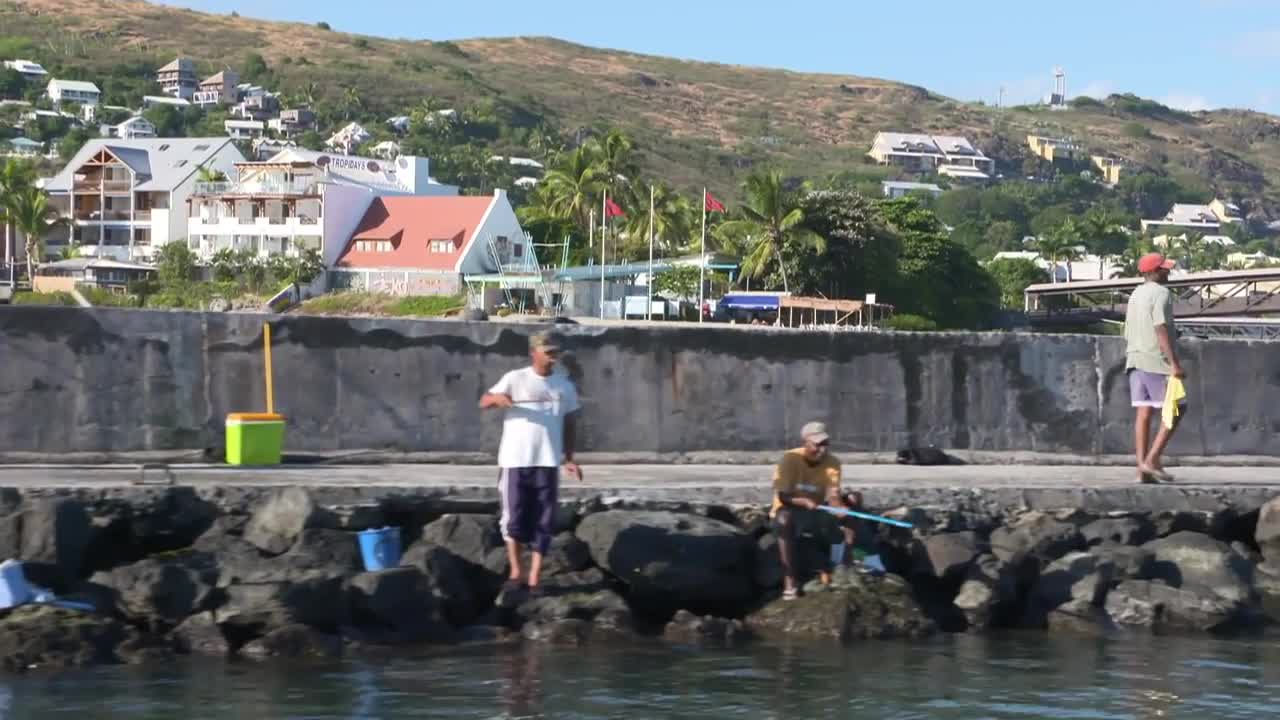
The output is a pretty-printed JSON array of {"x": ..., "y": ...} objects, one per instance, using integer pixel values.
[{"x": 266, "y": 351}]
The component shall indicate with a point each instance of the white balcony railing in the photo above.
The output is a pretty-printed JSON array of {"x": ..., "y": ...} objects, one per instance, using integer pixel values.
[{"x": 296, "y": 186}]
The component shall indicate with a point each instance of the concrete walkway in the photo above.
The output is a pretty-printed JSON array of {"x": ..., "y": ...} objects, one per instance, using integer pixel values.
[{"x": 1099, "y": 489}]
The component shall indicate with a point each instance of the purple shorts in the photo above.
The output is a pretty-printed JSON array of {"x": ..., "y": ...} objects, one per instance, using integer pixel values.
[
  {"x": 1147, "y": 389},
  {"x": 530, "y": 498}
]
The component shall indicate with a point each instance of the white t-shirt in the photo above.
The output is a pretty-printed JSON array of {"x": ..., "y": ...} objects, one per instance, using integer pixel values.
[{"x": 533, "y": 431}]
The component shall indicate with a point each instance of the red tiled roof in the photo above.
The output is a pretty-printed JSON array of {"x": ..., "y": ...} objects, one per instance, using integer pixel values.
[{"x": 411, "y": 223}]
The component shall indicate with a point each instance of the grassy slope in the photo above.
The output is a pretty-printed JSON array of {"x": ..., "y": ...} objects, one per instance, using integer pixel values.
[{"x": 697, "y": 122}]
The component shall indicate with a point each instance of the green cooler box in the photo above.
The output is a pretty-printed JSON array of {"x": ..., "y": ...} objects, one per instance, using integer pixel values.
[{"x": 254, "y": 438}]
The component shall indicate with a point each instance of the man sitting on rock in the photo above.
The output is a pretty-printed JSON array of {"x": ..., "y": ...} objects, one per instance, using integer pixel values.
[
  {"x": 541, "y": 406},
  {"x": 807, "y": 477}
]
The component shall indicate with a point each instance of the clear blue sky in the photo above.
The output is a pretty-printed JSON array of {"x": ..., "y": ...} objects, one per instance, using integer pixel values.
[{"x": 1192, "y": 54}]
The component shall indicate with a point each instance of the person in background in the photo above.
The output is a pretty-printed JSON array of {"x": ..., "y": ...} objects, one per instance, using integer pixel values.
[
  {"x": 1151, "y": 358},
  {"x": 807, "y": 477},
  {"x": 538, "y": 436}
]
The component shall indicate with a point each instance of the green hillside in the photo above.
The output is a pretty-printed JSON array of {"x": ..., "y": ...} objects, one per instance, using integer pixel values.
[{"x": 693, "y": 123}]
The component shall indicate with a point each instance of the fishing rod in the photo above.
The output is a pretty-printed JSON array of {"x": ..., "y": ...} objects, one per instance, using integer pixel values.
[{"x": 866, "y": 516}]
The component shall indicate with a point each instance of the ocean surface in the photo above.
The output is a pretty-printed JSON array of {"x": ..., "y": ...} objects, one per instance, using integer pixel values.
[{"x": 1016, "y": 675}]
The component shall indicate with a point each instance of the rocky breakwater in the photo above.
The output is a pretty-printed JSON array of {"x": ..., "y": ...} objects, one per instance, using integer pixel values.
[{"x": 175, "y": 571}]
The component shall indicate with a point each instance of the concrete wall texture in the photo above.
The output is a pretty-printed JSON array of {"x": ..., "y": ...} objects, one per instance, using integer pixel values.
[{"x": 108, "y": 380}]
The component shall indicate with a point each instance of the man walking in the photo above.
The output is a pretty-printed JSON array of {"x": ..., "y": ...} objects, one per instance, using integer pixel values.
[
  {"x": 1151, "y": 358},
  {"x": 538, "y": 435},
  {"x": 807, "y": 477}
]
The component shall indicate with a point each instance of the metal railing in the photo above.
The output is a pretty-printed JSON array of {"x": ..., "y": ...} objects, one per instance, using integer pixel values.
[{"x": 296, "y": 186}]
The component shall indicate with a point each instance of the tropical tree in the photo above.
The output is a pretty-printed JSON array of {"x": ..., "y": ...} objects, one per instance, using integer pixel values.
[
  {"x": 570, "y": 188},
  {"x": 1104, "y": 234},
  {"x": 615, "y": 153},
  {"x": 1188, "y": 249},
  {"x": 207, "y": 174},
  {"x": 30, "y": 212},
  {"x": 352, "y": 103},
  {"x": 770, "y": 219},
  {"x": 16, "y": 178},
  {"x": 1138, "y": 246},
  {"x": 1013, "y": 275},
  {"x": 673, "y": 220},
  {"x": 1060, "y": 244}
]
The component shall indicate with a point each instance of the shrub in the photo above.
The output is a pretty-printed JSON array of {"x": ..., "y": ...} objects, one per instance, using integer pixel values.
[
  {"x": 908, "y": 322},
  {"x": 35, "y": 298},
  {"x": 323, "y": 26},
  {"x": 1136, "y": 130},
  {"x": 361, "y": 43}
]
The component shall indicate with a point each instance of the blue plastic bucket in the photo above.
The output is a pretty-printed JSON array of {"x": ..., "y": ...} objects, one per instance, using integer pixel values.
[{"x": 380, "y": 549}]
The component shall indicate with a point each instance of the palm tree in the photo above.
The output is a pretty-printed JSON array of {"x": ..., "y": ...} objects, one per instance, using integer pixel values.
[
  {"x": 15, "y": 179},
  {"x": 207, "y": 174},
  {"x": 616, "y": 156},
  {"x": 1060, "y": 244},
  {"x": 1191, "y": 247},
  {"x": 771, "y": 218},
  {"x": 1104, "y": 234},
  {"x": 572, "y": 186},
  {"x": 673, "y": 220},
  {"x": 34, "y": 217},
  {"x": 352, "y": 103},
  {"x": 1138, "y": 246}
]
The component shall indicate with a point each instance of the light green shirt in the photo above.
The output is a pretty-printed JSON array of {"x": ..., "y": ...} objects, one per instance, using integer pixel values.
[{"x": 1150, "y": 305}]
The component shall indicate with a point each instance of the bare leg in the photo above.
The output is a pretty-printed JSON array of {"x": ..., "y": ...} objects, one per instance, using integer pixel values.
[
  {"x": 513, "y": 559},
  {"x": 535, "y": 569},
  {"x": 1142, "y": 437},
  {"x": 1163, "y": 437},
  {"x": 786, "y": 549}
]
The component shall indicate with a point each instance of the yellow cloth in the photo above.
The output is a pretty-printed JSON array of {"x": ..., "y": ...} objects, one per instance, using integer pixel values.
[
  {"x": 1174, "y": 394},
  {"x": 796, "y": 475}
]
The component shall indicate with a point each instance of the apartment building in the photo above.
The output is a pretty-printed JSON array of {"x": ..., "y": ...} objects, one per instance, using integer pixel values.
[
  {"x": 928, "y": 153},
  {"x": 1207, "y": 219},
  {"x": 125, "y": 198},
  {"x": 73, "y": 91},
  {"x": 30, "y": 70},
  {"x": 299, "y": 200},
  {"x": 1053, "y": 149},
  {"x": 218, "y": 89},
  {"x": 260, "y": 107},
  {"x": 178, "y": 78},
  {"x": 1111, "y": 168},
  {"x": 244, "y": 129},
  {"x": 135, "y": 127}
]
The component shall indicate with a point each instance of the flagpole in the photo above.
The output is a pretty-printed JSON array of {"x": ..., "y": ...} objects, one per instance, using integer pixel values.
[
  {"x": 649, "y": 289},
  {"x": 604, "y": 223},
  {"x": 702, "y": 261},
  {"x": 591, "y": 231}
]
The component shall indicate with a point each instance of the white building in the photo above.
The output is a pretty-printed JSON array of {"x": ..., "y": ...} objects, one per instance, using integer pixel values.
[
  {"x": 218, "y": 89},
  {"x": 73, "y": 91},
  {"x": 896, "y": 189},
  {"x": 266, "y": 148},
  {"x": 348, "y": 139},
  {"x": 135, "y": 127},
  {"x": 123, "y": 199},
  {"x": 1203, "y": 218},
  {"x": 1163, "y": 241},
  {"x": 293, "y": 122},
  {"x": 24, "y": 147},
  {"x": 1087, "y": 267},
  {"x": 149, "y": 101},
  {"x": 244, "y": 129},
  {"x": 387, "y": 150},
  {"x": 400, "y": 123},
  {"x": 30, "y": 70},
  {"x": 299, "y": 199},
  {"x": 925, "y": 153},
  {"x": 522, "y": 162}
]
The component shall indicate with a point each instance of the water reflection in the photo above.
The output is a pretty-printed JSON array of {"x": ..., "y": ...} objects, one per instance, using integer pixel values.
[{"x": 1029, "y": 675}]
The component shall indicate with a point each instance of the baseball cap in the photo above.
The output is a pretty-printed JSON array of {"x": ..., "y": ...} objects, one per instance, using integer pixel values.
[
  {"x": 1154, "y": 261},
  {"x": 546, "y": 341},
  {"x": 814, "y": 432}
]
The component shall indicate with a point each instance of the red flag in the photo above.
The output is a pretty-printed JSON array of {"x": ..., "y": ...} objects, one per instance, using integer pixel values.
[
  {"x": 714, "y": 205},
  {"x": 611, "y": 209}
]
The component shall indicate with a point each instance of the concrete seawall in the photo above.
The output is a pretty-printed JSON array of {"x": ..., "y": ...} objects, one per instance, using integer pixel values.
[{"x": 126, "y": 381}]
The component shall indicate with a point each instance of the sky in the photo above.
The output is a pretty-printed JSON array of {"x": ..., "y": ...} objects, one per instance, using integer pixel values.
[{"x": 1189, "y": 54}]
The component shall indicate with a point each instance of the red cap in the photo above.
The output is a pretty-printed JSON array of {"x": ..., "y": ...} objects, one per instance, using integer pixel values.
[{"x": 1154, "y": 261}]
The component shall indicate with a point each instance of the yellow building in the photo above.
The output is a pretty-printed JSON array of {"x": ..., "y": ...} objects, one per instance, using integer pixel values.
[
  {"x": 1110, "y": 168},
  {"x": 1052, "y": 149}
]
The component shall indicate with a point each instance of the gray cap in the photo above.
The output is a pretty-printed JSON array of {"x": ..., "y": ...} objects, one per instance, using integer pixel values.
[
  {"x": 545, "y": 340},
  {"x": 814, "y": 432}
]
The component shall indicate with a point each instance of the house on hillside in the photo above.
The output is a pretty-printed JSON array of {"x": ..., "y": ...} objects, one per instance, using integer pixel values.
[
  {"x": 896, "y": 188},
  {"x": 930, "y": 153},
  {"x": 178, "y": 78},
  {"x": 124, "y": 199},
  {"x": 293, "y": 122},
  {"x": 24, "y": 147},
  {"x": 73, "y": 91},
  {"x": 217, "y": 89},
  {"x": 150, "y": 101},
  {"x": 1053, "y": 149},
  {"x": 1202, "y": 218},
  {"x": 400, "y": 123},
  {"x": 1111, "y": 168},
  {"x": 135, "y": 127},
  {"x": 244, "y": 129},
  {"x": 348, "y": 139},
  {"x": 299, "y": 200},
  {"x": 30, "y": 70},
  {"x": 387, "y": 150},
  {"x": 426, "y": 245},
  {"x": 261, "y": 107}
]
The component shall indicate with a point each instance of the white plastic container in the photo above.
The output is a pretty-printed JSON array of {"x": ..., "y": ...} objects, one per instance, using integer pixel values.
[{"x": 14, "y": 589}]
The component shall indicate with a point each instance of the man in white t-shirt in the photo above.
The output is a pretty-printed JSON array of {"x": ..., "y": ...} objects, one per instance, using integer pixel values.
[{"x": 538, "y": 436}]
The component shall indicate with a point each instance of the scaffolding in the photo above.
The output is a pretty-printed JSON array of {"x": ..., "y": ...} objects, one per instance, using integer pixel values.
[{"x": 520, "y": 270}]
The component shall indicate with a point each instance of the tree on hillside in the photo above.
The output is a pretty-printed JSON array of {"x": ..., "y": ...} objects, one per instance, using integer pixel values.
[
  {"x": 673, "y": 220},
  {"x": 937, "y": 278},
  {"x": 352, "y": 102},
  {"x": 615, "y": 153},
  {"x": 770, "y": 219},
  {"x": 570, "y": 188},
  {"x": 168, "y": 120},
  {"x": 1013, "y": 275},
  {"x": 12, "y": 84},
  {"x": 72, "y": 142},
  {"x": 1104, "y": 234}
]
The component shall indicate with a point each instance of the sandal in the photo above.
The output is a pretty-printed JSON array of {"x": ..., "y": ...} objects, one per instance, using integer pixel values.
[
  {"x": 790, "y": 594},
  {"x": 1158, "y": 473}
]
